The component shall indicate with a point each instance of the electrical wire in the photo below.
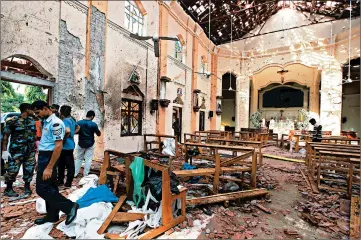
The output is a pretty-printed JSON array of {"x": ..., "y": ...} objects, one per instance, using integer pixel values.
[
  {"x": 230, "y": 60},
  {"x": 349, "y": 47}
]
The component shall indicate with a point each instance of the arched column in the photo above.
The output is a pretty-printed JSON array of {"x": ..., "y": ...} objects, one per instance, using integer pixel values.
[{"x": 242, "y": 102}]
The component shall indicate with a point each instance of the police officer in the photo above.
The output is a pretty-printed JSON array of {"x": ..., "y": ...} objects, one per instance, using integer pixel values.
[
  {"x": 22, "y": 147},
  {"x": 50, "y": 147}
]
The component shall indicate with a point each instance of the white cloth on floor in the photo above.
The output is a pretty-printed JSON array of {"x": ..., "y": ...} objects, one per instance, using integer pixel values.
[
  {"x": 169, "y": 146},
  {"x": 39, "y": 232},
  {"x": 90, "y": 179},
  {"x": 87, "y": 222}
]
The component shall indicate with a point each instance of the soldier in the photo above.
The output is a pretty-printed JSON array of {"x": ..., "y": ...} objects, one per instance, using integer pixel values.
[
  {"x": 22, "y": 147},
  {"x": 51, "y": 144}
]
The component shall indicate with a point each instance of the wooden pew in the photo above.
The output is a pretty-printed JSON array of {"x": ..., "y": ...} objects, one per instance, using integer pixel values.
[
  {"x": 156, "y": 139},
  {"x": 256, "y": 144},
  {"x": 168, "y": 220},
  {"x": 344, "y": 164}
]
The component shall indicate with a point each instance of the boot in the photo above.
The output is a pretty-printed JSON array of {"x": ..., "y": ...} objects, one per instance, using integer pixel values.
[
  {"x": 27, "y": 188},
  {"x": 9, "y": 192}
]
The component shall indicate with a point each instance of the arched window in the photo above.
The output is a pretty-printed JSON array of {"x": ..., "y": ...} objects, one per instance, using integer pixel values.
[
  {"x": 134, "y": 19},
  {"x": 178, "y": 51}
]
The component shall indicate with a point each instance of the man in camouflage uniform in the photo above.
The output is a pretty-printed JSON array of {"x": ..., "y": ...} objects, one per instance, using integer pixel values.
[{"x": 22, "y": 132}]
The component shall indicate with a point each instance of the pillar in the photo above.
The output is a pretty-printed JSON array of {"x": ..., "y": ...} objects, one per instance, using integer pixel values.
[
  {"x": 242, "y": 102},
  {"x": 331, "y": 99}
]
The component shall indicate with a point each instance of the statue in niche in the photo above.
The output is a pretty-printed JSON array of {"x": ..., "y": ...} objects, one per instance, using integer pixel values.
[
  {"x": 219, "y": 107},
  {"x": 196, "y": 104},
  {"x": 203, "y": 106},
  {"x": 178, "y": 99}
]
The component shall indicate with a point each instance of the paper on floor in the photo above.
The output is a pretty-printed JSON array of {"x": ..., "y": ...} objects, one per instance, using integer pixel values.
[{"x": 39, "y": 232}]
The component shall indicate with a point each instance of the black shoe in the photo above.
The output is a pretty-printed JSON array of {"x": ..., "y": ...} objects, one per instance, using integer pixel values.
[
  {"x": 27, "y": 190},
  {"x": 43, "y": 220},
  {"x": 72, "y": 215},
  {"x": 60, "y": 183},
  {"x": 9, "y": 192},
  {"x": 67, "y": 185}
]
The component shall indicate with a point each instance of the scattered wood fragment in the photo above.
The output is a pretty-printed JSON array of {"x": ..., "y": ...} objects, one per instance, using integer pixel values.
[
  {"x": 306, "y": 179},
  {"x": 355, "y": 218},
  {"x": 283, "y": 158},
  {"x": 290, "y": 232},
  {"x": 309, "y": 218},
  {"x": 313, "y": 184},
  {"x": 266, "y": 210},
  {"x": 227, "y": 196},
  {"x": 109, "y": 219}
]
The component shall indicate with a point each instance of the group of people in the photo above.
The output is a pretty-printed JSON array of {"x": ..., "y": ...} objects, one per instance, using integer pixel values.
[{"x": 47, "y": 132}]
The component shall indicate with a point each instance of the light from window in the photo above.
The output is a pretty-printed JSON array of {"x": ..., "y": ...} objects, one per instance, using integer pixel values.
[
  {"x": 134, "y": 20},
  {"x": 131, "y": 118},
  {"x": 178, "y": 51}
]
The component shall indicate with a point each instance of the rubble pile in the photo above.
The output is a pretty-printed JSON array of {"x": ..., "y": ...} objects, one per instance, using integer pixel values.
[{"x": 282, "y": 152}]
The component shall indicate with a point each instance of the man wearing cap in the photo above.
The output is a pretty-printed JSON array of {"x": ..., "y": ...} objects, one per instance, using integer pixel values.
[
  {"x": 22, "y": 132},
  {"x": 50, "y": 148},
  {"x": 317, "y": 131}
]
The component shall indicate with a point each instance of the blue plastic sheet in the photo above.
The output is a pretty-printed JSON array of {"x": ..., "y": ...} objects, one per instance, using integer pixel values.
[{"x": 98, "y": 194}]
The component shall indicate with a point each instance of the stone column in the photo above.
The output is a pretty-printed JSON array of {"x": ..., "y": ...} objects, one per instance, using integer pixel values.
[
  {"x": 242, "y": 102},
  {"x": 331, "y": 99}
]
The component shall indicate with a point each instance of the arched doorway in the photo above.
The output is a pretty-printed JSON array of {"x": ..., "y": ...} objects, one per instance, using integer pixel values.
[
  {"x": 23, "y": 80},
  {"x": 228, "y": 101},
  {"x": 350, "y": 122}
]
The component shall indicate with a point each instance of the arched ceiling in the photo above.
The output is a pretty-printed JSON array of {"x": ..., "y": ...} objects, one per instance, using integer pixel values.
[{"x": 248, "y": 14}]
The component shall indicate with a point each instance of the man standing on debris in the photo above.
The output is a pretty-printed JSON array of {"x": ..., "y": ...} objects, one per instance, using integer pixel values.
[
  {"x": 50, "y": 147},
  {"x": 22, "y": 132},
  {"x": 85, "y": 148},
  {"x": 317, "y": 131},
  {"x": 66, "y": 159},
  {"x": 176, "y": 128}
]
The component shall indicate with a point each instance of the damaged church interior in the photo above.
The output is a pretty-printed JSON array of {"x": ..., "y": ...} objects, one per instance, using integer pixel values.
[{"x": 180, "y": 119}]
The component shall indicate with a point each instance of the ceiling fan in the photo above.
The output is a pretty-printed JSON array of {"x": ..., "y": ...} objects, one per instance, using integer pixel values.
[
  {"x": 349, "y": 80},
  {"x": 155, "y": 39},
  {"x": 208, "y": 74},
  {"x": 230, "y": 63}
]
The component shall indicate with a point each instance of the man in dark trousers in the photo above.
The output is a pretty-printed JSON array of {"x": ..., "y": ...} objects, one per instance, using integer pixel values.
[
  {"x": 176, "y": 128},
  {"x": 22, "y": 132},
  {"x": 317, "y": 131},
  {"x": 50, "y": 147},
  {"x": 66, "y": 159},
  {"x": 85, "y": 148}
]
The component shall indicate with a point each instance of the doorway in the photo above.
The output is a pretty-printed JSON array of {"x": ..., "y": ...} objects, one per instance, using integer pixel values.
[
  {"x": 228, "y": 102},
  {"x": 177, "y": 114},
  {"x": 201, "y": 120}
]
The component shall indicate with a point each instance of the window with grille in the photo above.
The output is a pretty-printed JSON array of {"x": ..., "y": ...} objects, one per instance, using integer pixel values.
[
  {"x": 131, "y": 121},
  {"x": 134, "y": 20},
  {"x": 178, "y": 51}
]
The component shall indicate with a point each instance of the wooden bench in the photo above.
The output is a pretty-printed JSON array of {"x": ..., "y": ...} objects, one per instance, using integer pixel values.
[
  {"x": 224, "y": 165},
  {"x": 214, "y": 155},
  {"x": 168, "y": 220},
  {"x": 344, "y": 164},
  {"x": 156, "y": 139},
  {"x": 256, "y": 144}
]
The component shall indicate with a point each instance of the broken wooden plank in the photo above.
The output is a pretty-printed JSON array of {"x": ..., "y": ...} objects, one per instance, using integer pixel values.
[
  {"x": 127, "y": 217},
  {"x": 227, "y": 196},
  {"x": 266, "y": 210},
  {"x": 109, "y": 219},
  {"x": 236, "y": 159},
  {"x": 355, "y": 218},
  {"x": 313, "y": 184},
  {"x": 283, "y": 158},
  {"x": 309, "y": 218},
  {"x": 209, "y": 171},
  {"x": 306, "y": 179}
]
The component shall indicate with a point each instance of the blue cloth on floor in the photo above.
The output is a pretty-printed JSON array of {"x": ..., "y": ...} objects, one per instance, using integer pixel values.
[{"x": 98, "y": 194}]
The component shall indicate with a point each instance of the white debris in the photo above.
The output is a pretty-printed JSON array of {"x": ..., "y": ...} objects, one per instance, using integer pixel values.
[{"x": 39, "y": 232}]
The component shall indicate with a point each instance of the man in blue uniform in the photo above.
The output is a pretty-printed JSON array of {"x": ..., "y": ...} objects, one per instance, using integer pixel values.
[
  {"x": 50, "y": 147},
  {"x": 22, "y": 132}
]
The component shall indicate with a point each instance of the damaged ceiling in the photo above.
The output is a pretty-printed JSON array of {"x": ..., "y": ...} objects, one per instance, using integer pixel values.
[{"x": 248, "y": 14}]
